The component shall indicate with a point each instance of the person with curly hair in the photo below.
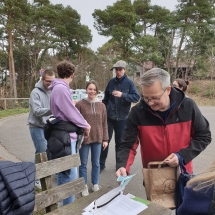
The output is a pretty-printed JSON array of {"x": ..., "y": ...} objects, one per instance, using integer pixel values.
[{"x": 63, "y": 108}]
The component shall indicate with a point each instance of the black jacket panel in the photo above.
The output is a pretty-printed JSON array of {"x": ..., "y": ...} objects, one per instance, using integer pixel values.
[
  {"x": 59, "y": 143},
  {"x": 17, "y": 188}
]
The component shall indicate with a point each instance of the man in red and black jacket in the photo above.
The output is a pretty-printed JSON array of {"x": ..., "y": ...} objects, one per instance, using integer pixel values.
[{"x": 163, "y": 122}]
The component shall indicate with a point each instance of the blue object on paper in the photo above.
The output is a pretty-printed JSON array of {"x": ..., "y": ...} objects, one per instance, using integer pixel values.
[{"x": 124, "y": 179}]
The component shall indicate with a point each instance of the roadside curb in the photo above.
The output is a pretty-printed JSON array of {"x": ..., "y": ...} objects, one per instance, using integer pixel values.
[{"x": 4, "y": 154}]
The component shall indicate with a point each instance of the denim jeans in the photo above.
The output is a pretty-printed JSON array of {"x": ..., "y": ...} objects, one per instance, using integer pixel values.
[
  {"x": 64, "y": 177},
  {"x": 95, "y": 154},
  {"x": 118, "y": 127},
  {"x": 37, "y": 135}
]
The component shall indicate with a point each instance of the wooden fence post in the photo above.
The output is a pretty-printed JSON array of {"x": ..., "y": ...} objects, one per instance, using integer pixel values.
[{"x": 46, "y": 182}]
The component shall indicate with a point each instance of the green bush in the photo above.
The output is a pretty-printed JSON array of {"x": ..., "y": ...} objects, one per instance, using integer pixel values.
[
  {"x": 206, "y": 93},
  {"x": 210, "y": 88},
  {"x": 195, "y": 89}
]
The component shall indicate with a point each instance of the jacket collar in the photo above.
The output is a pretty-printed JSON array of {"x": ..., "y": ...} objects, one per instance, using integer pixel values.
[{"x": 121, "y": 79}]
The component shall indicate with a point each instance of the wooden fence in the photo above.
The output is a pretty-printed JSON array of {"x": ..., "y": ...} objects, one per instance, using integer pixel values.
[{"x": 11, "y": 103}]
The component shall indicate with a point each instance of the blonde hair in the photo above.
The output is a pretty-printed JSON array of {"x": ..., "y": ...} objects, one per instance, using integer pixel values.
[{"x": 205, "y": 179}]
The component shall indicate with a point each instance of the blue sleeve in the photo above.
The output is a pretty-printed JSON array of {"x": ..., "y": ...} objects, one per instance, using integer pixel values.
[{"x": 132, "y": 95}]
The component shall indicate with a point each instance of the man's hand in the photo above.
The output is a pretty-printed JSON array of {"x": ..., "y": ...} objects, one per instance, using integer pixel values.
[
  {"x": 117, "y": 93},
  {"x": 172, "y": 160},
  {"x": 121, "y": 172}
]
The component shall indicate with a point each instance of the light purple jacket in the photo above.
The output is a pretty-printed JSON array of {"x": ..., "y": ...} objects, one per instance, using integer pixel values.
[{"x": 62, "y": 107}]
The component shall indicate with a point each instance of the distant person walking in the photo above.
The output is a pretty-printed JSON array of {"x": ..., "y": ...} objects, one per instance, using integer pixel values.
[
  {"x": 40, "y": 112},
  {"x": 63, "y": 108},
  {"x": 119, "y": 94},
  {"x": 95, "y": 114},
  {"x": 181, "y": 84}
]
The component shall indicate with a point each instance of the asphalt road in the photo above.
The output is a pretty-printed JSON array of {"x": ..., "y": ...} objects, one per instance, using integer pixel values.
[{"x": 15, "y": 137}]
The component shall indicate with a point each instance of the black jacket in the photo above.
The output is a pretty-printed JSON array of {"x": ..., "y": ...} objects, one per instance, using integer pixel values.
[
  {"x": 59, "y": 142},
  {"x": 17, "y": 188}
]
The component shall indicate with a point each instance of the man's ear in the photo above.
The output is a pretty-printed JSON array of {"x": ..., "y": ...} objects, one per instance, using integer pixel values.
[
  {"x": 168, "y": 89},
  {"x": 72, "y": 76}
]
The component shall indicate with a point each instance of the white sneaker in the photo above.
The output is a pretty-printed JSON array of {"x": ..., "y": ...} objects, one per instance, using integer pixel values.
[
  {"x": 60, "y": 204},
  {"x": 95, "y": 187},
  {"x": 38, "y": 185},
  {"x": 85, "y": 192}
]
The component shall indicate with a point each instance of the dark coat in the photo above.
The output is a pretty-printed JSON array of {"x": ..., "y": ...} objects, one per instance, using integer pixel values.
[
  {"x": 118, "y": 108},
  {"x": 17, "y": 188},
  {"x": 59, "y": 142}
]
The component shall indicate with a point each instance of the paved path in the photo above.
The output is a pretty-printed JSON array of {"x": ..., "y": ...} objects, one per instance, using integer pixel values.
[{"x": 15, "y": 138}]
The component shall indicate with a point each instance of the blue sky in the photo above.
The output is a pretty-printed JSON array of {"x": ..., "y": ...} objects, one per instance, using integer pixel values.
[{"x": 86, "y": 7}]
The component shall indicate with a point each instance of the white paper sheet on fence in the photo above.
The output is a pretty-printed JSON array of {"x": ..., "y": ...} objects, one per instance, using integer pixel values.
[{"x": 121, "y": 204}]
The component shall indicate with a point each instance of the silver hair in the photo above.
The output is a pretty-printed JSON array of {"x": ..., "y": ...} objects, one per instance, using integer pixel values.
[{"x": 156, "y": 74}]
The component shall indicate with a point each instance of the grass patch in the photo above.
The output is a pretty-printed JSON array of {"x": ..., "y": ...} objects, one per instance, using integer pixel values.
[
  {"x": 12, "y": 112},
  {"x": 195, "y": 89}
]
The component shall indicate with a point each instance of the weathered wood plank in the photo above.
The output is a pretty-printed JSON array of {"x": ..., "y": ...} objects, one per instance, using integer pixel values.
[
  {"x": 46, "y": 182},
  {"x": 57, "y": 165},
  {"x": 76, "y": 208},
  {"x": 58, "y": 193},
  {"x": 78, "y": 205}
]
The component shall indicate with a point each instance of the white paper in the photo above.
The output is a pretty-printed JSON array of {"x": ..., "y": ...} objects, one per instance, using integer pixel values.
[
  {"x": 86, "y": 213},
  {"x": 130, "y": 196},
  {"x": 115, "y": 203},
  {"x": 105, "y": 198},
  {"x": 121, "y": 205}
]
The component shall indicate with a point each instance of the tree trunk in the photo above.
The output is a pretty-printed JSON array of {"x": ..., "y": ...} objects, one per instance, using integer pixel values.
[
  {"x": 13, "y": 89},
  {"x": 23, "y": 78},
  {"x": 168, "y": 60},
  {"x": 179, "y": 50}
]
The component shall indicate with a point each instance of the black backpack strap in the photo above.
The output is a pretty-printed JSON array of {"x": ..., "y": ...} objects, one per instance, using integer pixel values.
[{"x": 212, "y": 207}]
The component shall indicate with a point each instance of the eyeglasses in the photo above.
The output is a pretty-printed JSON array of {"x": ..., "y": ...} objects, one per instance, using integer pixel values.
[
  {"x": 47, "y": 81},
  {"x": 118, "y": 69},
  {"x": 153, "y": 99}
]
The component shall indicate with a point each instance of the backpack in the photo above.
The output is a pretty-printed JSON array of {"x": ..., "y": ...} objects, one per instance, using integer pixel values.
[{"x": 184, "y": 177}]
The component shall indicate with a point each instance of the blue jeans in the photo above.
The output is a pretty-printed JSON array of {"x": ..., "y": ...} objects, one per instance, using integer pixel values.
[
  {"x": 64, "y": 177},
  {"x": 37, "y": 135},
  {"x": 95, "y": 154},
  {"x": 118, "y": 127}
]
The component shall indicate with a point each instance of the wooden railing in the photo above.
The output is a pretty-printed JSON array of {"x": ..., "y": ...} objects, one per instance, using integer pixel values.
[{"x": 9, "y": 103}]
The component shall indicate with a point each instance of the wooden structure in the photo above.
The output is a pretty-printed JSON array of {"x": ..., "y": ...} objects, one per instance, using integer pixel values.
[{"x": 51, "y": 195}]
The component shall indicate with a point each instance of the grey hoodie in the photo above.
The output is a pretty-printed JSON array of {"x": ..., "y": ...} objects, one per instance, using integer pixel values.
[{"x": 39, "y": 106}]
